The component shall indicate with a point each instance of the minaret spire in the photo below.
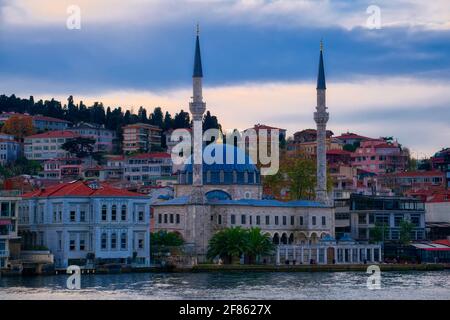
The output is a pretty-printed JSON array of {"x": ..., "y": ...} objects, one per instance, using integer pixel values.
[
  {"x": 321, "y": 117},
  {"x": 197, "y": 108}
]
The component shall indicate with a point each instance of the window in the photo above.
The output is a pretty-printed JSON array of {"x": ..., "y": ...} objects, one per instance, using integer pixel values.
[
  {"x": 233, "y": 219},
  {"x": 243, "y": 217},
  {"x": 292, "y": 220},
  {"x": 250, "y": 219},
  {"x": 177, "y": 218},
  {"x": 123, "y": 215},
  {"x": 113, "y": 241},
  {"x": 171, "y": 218},
  {"x": 258, "y": 220},
  {"x": 284, "y": 220},
  {"x": 314, "y": 220},
  {"x": 160, "y": 218},
  {"x": 104, "y": 213},
  {"x": 82, "y": 216},
  {"x": 72, "y": 245},
  {"x": 267, "y": 220},
  {"x": 276, "y": 220},
  {"x": 219, "y": 219},
  {"x": 123, "y": 241},
  {"x": 301, "y": 220},
  {"x": 114, "y": 213},
  {"x": 141, "y": 243},
  {"x": 165, "y": 218},
  {"x": 141, "y": 216},
  {"x": 324, "y": 221},
  {"x": 104, "y": 240},
  {"x": 72, "y": 216},
  {"x": 82, "y": 244}
]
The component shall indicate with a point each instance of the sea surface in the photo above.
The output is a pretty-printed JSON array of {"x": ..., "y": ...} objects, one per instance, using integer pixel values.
[{"x": 232, "y": 286}]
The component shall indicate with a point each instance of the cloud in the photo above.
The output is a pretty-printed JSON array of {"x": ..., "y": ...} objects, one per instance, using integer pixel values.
[{"x": 282, "y": 13}]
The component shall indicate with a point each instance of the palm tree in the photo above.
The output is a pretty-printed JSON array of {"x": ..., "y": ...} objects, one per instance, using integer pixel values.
[
  {"x": 258, "y": 244},
  {"x": 228, "y": 243}
]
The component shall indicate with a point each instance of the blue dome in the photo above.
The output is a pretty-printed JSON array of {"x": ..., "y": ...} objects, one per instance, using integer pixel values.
[{"x": 223, "y": 164}]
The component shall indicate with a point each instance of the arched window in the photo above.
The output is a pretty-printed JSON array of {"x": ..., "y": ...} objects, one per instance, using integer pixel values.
[
  {"x": 113, "y": 241},
  {"x": 104, "y": 241},
  {"x": 123, "y": 215},
  {"x": 114, "y": 213},
  {"x": 104, "y": 212}
]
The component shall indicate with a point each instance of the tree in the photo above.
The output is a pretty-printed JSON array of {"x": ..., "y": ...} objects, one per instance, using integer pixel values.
[
  {"x": 405, "y": 232},
  {"x": 228, "y": 244},
  {"x": 19, "y": 167},
  {"x": 19, "y": 126},
  {"x": 231, "y": 243},
  {"x": 181, "y": 120},
  {"x": 379, "y": 232},
  {"x": 81, "y": 147},
  {"x": 210, "y": 122},
  {"x": 164, "y": 238},
  {"x": 258, "y": 245},
  {"x": 157, "y": 118}
]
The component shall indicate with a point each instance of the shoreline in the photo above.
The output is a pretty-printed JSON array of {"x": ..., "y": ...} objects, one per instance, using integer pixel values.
[{"x": 206, "y": 268}]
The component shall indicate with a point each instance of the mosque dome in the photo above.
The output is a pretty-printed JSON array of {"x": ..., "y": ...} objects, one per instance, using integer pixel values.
[{"x": 223, "y": 164}]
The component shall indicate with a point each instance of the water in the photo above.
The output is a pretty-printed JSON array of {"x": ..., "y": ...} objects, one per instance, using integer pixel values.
[{"x": 248, "y": 285}]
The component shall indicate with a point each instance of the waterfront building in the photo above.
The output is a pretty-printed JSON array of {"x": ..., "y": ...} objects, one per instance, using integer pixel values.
[
  {"x": 368, "y": 211},
  {"x": 104, "y": 139},
  {"x": 47, "y": 145},
  {"x": 9, "y": 239},
  {"x": 10, "y": 149},
  {"x": 141, "y": 137},
  {"x": 81, "y": 221}
]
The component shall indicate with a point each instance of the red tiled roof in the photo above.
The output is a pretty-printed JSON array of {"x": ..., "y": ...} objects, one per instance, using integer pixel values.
[
  {"x": 44, "y": 118},
  {"x": 444, "y": 242},
  {"x": 263, "y": 126},
  {"x": 150, "y": 155},
  {"x": 54, "y": 134},
  {"x": 80, "y": 189},
  {"x": 350, "y": 135},
  {"x": 434, "y": 173}
]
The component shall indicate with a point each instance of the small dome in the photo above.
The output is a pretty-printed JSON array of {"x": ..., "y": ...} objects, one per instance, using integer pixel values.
[{"x": 223, "y": 164}]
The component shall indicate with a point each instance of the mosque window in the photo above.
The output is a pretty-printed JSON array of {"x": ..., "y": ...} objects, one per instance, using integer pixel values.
[
  {"x": 267, "y": 220},
  {"x": 233, "y": 219},
  {"x": 301, "y": 220},
  {"x": 160, "y": 218},
  {"x": 219, "y": 219},
  {"x": 292, "y": 220},
  {"x": 243, "y": 219},
  {"x": 171, "y": 218},
  {"x": 284, "y": 220},
  {"x": 250, "y": 219},
  {"x": 258, "y": 220},
  {"x": 165, "y": 218},
  {"x": 314, "y": 220},
  {"x": 178, "y": 218},
  {"x": 324, "y": 221},
  {"x": 276, "y": 220}
]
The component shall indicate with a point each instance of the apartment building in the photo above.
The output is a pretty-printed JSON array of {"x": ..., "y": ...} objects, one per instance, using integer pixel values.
[
  {"x": 47, "y": 145},
  {"x": 141, "y": 137}
]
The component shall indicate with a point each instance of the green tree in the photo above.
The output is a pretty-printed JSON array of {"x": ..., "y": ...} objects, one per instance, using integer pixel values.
[
  {"x": 167, "y": 239},
  {"x": 258, "y": 244},
  {"x": 379, "y": 232},
  {"x": 405, "y": 232},
  {"x": 228, "y": 244},
  {"x": 81, "y": 147}
]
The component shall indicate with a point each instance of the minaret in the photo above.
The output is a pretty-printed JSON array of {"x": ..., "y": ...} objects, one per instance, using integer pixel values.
[
  {"x": 321, "y": 118},
  {"x": 197, "y": 108}
]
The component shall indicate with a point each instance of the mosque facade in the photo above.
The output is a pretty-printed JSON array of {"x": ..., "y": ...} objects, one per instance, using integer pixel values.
[{"x": 210, "y": 197}]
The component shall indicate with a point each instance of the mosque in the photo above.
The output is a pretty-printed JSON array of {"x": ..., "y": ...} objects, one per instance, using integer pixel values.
[{"x": 210, "y": 197}]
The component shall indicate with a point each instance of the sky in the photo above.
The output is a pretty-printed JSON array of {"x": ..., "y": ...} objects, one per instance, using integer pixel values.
[{"x": 260, "y": 60}]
